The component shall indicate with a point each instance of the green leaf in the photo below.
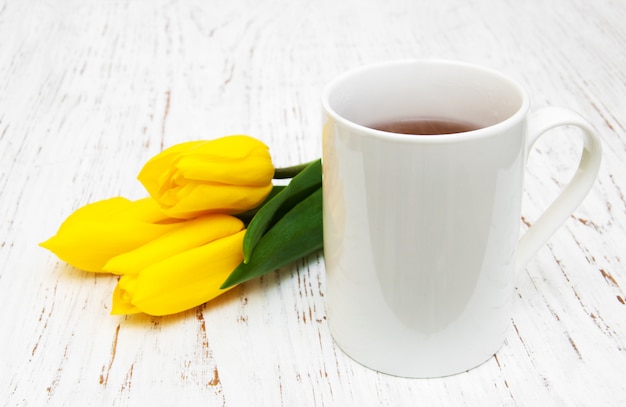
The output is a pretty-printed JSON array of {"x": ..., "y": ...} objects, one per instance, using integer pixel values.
[
  {"x": 300, "y": 187},
  {"x": 298, "y": 234},
  {"x": 247, "y": 216}
]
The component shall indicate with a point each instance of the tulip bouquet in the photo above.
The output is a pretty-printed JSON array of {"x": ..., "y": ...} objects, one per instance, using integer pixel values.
[{"x": 214, "y": 219}]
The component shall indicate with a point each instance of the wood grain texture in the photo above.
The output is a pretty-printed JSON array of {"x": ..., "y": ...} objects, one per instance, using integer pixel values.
[{"x": 89, "y": 90}]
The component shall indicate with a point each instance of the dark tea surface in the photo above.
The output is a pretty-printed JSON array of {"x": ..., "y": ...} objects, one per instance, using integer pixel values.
[{"x": 425, "y": 126}]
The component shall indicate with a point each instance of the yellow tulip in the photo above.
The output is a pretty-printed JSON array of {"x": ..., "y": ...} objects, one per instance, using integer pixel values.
[
  {"x": 179, "y": 270},
  {"x": 227, "y": 175},
  {"x": 99, "y": 231}
]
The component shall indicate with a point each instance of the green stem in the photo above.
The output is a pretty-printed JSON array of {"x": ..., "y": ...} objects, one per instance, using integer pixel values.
[{"x": 290, "y": 172}]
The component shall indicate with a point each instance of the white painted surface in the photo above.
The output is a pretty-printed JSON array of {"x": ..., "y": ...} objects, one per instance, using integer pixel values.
[{"x": 89, "y": 90}]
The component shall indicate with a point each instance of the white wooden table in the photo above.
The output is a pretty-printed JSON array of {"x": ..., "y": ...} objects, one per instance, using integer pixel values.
[{"x": 89, "y": 90}]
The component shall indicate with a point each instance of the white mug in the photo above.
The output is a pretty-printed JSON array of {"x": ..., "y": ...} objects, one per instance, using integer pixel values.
[{"x": 421, "y": 232}]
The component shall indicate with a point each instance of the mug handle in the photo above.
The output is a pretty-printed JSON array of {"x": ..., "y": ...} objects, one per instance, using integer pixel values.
[{"x": 566, "y": 203}]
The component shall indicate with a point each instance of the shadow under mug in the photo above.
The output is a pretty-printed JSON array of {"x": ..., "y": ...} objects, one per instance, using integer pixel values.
[{"x": 421, "y": 232}]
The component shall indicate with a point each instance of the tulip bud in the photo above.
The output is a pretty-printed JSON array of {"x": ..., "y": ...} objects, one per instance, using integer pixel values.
[
  {"x": 179, "y": 270},
  {"x": 99, "y": 231},
  {"x": 227, "y": 175}
]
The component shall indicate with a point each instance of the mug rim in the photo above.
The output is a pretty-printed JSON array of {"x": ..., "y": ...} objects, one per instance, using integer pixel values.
[{"x": 485, "y": 131}]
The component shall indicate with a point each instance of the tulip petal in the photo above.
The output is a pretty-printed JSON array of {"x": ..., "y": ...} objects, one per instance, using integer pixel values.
[
  {"x": 183, "y": 281},
  {"x": 240, "y": 160},
  {"x": 190, "y": 234},
  {"x": 96, "y": 232},
  {"x": 252, "y": 170},
  {"x": 157, "y": 165},
  {"x": 121, "y": 303},
  {"x": 207, "y": 198},
  {"x": 148, "y": 210},
  {"x": 237, "y": 146}
]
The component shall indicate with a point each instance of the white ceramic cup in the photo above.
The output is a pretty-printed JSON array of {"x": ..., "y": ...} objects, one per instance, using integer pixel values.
[{"x": 421, "y": 233}]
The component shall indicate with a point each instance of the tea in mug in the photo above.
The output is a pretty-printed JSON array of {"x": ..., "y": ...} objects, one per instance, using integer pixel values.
[{"x": 425, "y": 126}]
